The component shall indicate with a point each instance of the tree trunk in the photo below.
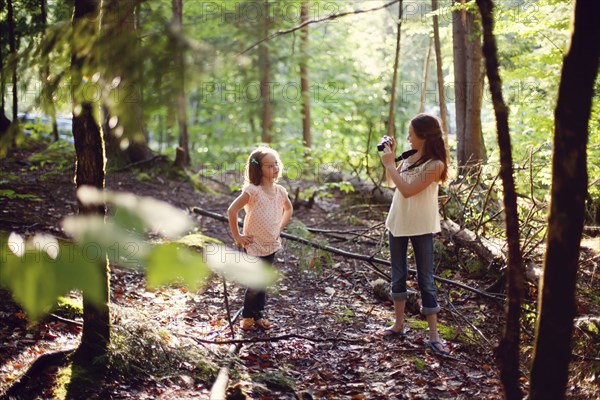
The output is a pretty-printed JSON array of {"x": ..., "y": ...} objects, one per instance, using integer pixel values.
[
  {"x": 48, "y": 103},
  {"x": 391, "y": 124},
  {"x": 304, "y": 86},
  {"x": 425, "y": 77},
  {"x": 120, "y": 33},
  {"x": 440, "y": 74},
  {"x": 12, "y": 45},
  {"x": 90, "y": 165},
  {"x": 264, "y": 65},
  {"x": 468, "y": 88},
  {"x": 552, "y": 352},
  {"x": 183, "y": 152},
  {"x": 508, "y": 350},
  {"x": 4, "y": 121}
]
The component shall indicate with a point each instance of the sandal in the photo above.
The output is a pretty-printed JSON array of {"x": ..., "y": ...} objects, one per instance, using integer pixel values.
[
  {"x": 247, "y": 324},
  {"x": 264, "y": 324},
  {"x": 442, "y": 350},
  {"x": 389, "y": 333}
]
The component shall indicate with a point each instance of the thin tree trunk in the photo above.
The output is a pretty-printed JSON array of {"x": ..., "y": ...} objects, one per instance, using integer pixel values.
[
  {"x": 90, "y": 164},
  {"x": 508, "y": 350},
  {"x": 4, "y": 121},
  {"x": 474, "y": 150},
  {"x": 183, "y": 152},
  {"x": 552, "y": 351},
  {"x": 390, "y": 128},
  {"x": 425, "y": 77},
  {"x": 265, "y": 75},
  {"x": 45, "y": 72},
  {"x": 12, "y": 45},
  {"x": 439, "y": 70},
  {"x": 468, "y": 89},
  {"x": 459, "y": 44},
  {"x": 304, "y": 83}
]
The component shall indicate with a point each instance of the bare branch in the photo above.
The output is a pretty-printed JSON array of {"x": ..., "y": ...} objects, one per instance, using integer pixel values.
[{"x": 314, "y": 21}]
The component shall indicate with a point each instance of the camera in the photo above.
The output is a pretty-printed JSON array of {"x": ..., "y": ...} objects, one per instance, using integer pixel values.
[{"x": 385, "y": 140}]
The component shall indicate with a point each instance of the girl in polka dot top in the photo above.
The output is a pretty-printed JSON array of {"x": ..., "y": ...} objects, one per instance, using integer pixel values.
[{"x": 268, "y": 211}]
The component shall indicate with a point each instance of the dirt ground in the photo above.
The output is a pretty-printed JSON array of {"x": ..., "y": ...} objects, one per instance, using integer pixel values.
[{"x": 324, "y": 344}]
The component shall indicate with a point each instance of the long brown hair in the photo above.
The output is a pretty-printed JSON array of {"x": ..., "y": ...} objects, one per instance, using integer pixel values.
[
  {"x": 253, "y": 173},
  {"x": 428, "y": 127}
]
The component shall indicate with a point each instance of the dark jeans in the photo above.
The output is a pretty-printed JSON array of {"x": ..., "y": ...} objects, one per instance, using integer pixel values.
[
  {"x": 254, "y": 300},
  {"x": 423, "y": 249}
]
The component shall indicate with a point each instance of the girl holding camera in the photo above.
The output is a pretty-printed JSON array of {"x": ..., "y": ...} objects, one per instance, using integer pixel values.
[
  {"x": 414, "y": 216},
  {"x": 268, "y": 211}
]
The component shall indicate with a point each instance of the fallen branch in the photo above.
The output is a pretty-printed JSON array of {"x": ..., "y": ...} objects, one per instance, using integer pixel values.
[
  {"x": 279, "y": 338},
  {"x": 368, "y": 259}
]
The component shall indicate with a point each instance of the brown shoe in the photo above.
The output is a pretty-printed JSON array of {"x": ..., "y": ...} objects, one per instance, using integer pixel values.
[
  {"x": 264, "y": 324},
  {"x": 247, "y": 324}
]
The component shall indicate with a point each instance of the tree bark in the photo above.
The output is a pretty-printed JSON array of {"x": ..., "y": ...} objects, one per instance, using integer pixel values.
[
  {"x": 304, "y": 83},
  {"x": 183, "y": 152},
  {"x": 425, "y": 77},
  {"x": 391, "y": 124},
  {"x": 12, "y": 45},
  {"x": 508, "y": 350},
  {"x": 89, "y": 170},
  {"x": 557, "y": 307},
  {"x": 439, "y": 70},
  {"x": 467, "y": 89},
  {"x": 264, "y": 65},
  {"x": 4, "y": 121}
]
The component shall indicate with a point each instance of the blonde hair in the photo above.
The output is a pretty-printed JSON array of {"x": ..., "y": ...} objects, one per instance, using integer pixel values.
[{"x": 253, "y": 171}]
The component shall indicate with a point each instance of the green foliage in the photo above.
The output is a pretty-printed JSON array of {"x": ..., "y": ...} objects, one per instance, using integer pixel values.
[
  {"x": 186, "y": 265},
  {"x": 40, "y": 269},
  {"x": 12, "y": 195}
]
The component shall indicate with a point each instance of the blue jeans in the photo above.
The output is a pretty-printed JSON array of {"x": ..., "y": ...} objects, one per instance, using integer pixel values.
[
  {"x": 254, "y": 300},
  {"x": 423, "y": 249}
]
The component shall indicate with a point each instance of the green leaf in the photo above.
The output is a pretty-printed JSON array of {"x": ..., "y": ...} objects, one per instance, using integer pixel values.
[
  {"x": 106, "y": 239},
  {"x": 36, "y": 279},
  {"x": 172, "y": 262}
]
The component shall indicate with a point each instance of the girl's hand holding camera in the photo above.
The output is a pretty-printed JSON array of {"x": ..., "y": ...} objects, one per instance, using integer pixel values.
[{"x": 388, "y": 156}]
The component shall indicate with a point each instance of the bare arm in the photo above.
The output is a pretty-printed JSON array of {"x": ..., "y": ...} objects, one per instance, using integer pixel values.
[
  {"x": 431, "y": 173},
  {"x": 288, "y": 210},
  {"x": 232, "y": 214}
]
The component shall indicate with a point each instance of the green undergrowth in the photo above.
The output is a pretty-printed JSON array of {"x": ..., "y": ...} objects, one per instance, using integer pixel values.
[{"x": 140, "y": 347}]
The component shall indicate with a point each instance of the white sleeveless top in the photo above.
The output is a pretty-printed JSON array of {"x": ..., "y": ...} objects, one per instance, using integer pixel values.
[{"x": 416, "y": 215}]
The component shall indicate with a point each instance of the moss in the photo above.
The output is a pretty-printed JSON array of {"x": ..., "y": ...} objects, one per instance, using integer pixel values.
[
  {"x": 420, "y": 364},
  {"x": 63, "y": 378},
  {"x": 68, "y": 307},
  {"x": 275, "y": 381},
  {"x": 198, "y": 240},
  {"x": 446, "y": 332}
]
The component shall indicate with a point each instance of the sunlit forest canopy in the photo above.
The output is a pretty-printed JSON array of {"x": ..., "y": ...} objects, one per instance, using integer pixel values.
[{"x": 349, "y": 61}]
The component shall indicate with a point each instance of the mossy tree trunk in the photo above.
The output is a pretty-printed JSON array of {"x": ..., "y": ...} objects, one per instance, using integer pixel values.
[{"x": 90, "y": 170}]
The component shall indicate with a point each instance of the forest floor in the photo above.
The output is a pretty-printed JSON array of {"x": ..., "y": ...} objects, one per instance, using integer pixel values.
[{"x": 324, "y": 345}]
